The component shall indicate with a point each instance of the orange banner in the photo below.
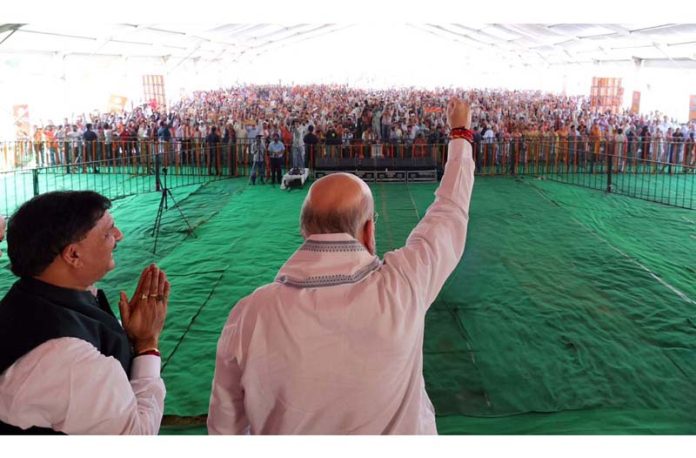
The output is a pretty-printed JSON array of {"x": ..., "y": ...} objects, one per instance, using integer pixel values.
[
  {"x": 692, "y": 108},
  {"x": 433, "y": 110},
  {"x": 606, "y": 94},
  {"x": 21, "y": 120},
  {"x": 635, "y": 104}
]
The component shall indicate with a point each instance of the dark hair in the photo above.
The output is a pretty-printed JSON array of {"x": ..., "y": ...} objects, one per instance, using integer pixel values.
[
  {"x": 42, "y": 227},
  {"x": 310, "y": 128}
]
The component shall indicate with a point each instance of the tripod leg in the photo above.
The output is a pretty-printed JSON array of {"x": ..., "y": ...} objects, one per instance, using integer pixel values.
[
  {"x": 176, "y": 205},
  {"x": 158, "y": 220}
]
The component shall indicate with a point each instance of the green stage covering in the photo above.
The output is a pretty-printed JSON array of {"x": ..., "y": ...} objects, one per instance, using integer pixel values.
[{"x": 572, "y": 311}]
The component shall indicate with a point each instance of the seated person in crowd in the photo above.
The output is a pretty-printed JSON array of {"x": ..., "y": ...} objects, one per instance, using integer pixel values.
[
  {"x": 335, "y": 344},
  {"x": 66, "y": 363}
]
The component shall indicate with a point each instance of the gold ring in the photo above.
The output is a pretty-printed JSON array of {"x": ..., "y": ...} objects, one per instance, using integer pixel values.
[{"x": 144, "y": 296}]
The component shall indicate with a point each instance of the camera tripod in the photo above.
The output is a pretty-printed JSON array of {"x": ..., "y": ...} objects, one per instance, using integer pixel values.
[{"x": 164, "y": 205}]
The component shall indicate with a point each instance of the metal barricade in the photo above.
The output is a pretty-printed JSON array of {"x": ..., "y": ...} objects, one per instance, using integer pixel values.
[{"x": 647, "y": 168}]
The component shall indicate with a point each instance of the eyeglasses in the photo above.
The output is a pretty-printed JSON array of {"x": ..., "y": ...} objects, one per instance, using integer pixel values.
[{"x": 375, "y": 217}]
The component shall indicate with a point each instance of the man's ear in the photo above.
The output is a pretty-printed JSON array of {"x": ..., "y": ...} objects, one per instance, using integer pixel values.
[
  {"x": 368, "y": 234},
  {"x": 71, "y": 256}
]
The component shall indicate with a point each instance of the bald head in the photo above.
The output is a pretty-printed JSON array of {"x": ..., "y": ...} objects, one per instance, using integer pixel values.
[{"x": 336, "y": 203}]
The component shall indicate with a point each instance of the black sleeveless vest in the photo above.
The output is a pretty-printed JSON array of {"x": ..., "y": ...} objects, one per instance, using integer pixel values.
[{"x": 33, "y": 312}]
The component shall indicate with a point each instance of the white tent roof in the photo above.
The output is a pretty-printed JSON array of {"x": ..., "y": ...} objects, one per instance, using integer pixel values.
[
  {"x": 513, "y": 44},
  {"x": 78, "y": 59}
]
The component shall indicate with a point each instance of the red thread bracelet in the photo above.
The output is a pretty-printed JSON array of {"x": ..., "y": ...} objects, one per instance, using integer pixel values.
[
  {"x": 462, "y": 132},
  {"x": 151, "y": 351}
]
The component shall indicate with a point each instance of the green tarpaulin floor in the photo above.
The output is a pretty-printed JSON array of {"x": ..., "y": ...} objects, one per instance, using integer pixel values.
[{"x": 571, "y": 312}]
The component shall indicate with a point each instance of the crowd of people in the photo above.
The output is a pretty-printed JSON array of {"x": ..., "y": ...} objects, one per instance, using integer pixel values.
[{"x": 302, "y": 116}]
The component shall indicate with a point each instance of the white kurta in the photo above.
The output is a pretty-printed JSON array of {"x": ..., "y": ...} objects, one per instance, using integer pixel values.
[
  {"x": 335, "y": 344},
  {"x": 68, "y": 385}
]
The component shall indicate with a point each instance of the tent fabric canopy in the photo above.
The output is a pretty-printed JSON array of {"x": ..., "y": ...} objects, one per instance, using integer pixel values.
[{"x": 515, "y": 44}]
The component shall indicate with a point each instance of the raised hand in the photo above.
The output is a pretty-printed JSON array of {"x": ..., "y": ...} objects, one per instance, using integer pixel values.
[{"x": 458, "y": 113}]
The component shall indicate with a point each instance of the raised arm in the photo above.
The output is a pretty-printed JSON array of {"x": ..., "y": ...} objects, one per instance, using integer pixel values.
[{"x": 436, "y": 244}]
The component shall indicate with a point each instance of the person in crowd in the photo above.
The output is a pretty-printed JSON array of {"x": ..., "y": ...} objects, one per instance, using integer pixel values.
[
  {"x": 51, "y": 145},
  {"x": 478, "y": 139},
  {"x": 678, "y": 151},
  {"x": 108, "y": 143},
  {"x": 145, "y": 147},
  {"x": 39, "y": 146},
  {"x": 276, "y": 150},
  {"x": 179, "y": 141},
  {"x": 310, "y": 147},
  {"x": 377, "y": 122},
  {"x": 333, "y": 140},
  {"x": 630, "y": 147},
  {"x": 645, "y": 146},
  {"x": 620, "y": 150},
  {"x": 90, "y": 148},
  {"x": 73, "y": 153},
  {"x": 164, "y": 137},
  {"x": 228, "y": 140},
  {"x": 419, "y": 146},
  {"x": 258, "y": 159},
  {"x": 61, "y": 133},
  {"x": 66, "y": 363},
  {"x": 338, "y": 316},
  {"x": 298, "y": 151},
  {"x": 214, "y": 156}
]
